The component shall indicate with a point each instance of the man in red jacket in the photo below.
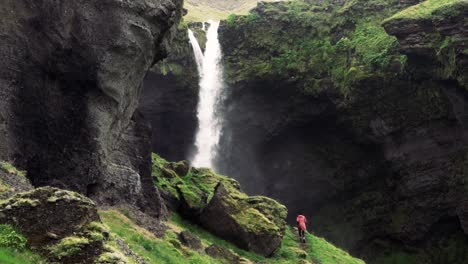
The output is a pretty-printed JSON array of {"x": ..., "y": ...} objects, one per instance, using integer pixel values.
[{"x": 301, "y": 226}]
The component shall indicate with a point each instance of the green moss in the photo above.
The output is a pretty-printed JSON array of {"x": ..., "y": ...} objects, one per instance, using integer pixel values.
[
  {"x": 11, "y": 169},
  {"x": 254, "y": 221},
  {"x": 68, "y": 246},
  {"x": 3, "y": 187},
  {"x": 196, "y": 188},
  {"x": 425, "y": 9},
  {"x": 114, "y": 257},
  {"x": 311, "y": 53},
  {"x": 20, "y": 202}
]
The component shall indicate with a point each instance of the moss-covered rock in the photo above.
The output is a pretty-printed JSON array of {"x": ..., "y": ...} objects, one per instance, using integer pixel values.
[
  {"x": 62, "y": 225},
  {"x": 434, "y": 33},
  {"x": 216, "y": 203}
]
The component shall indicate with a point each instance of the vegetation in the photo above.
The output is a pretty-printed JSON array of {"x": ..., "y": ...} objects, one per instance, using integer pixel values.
[
  {"x": 323, "y": 44},
  {"x": 68, "y": 246},
  {"x": 425, "y": 9},
  {"x": 11, "y": 169},
  {"x": 13, "y": 248},
  {"x": 168, "y": 249},
  {"x": 154, "y": 250}
]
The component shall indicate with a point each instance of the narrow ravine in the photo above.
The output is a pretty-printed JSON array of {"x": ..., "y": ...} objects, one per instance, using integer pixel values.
[{"x": 211, "y": 86}]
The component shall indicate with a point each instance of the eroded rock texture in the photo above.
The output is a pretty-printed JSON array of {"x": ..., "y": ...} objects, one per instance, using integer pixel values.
[{"x": 70, "y": 80}]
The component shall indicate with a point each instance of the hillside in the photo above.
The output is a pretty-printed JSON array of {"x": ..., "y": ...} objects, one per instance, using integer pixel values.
[
  {"x": 204, "y": 10},
  {"x": 112, "y": 235}
]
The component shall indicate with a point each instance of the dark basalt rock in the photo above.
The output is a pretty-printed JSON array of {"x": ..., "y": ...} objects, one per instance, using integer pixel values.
[
  {"x": 170, "y": 97},
  {"x": 70, "y": 80}
]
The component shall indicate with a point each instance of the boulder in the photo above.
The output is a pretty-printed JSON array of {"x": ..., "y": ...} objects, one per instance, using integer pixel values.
[
  {"x": 215, "y": 202},
  {"x": 246, "y": 224},
  {"x": 62, "y": 225},
  {"x": 190, "y": 240}
]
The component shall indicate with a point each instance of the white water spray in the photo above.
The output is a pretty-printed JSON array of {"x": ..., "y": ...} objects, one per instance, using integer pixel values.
[
  {"x": 196, "y": 50},
  {"x": 211, "y": 85}
]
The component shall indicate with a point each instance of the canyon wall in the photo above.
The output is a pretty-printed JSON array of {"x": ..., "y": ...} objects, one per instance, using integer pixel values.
[
  {"x": 71, "y": 77},
  {"x": 364, "y": 132}
]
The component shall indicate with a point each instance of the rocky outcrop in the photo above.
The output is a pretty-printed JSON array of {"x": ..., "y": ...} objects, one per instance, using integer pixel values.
[
  {"x": 71, "y": 76},
  {"x": 215, "y": 202},
  {"x": 12, "y": 181},
  {"x": 434, "y": 38},
  {"x": 62, "y": 225},
  {"x": 371, "y": 145}
]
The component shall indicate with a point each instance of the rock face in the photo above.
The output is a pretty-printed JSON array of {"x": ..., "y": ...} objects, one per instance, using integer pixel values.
[
  {"x": 215, "y": 202},
  {"x": 170, "y": 97},
  {"x": 60, "y": 224},
  {"x": 70, "y": 79},
  {"x": 375, "y": 153}
]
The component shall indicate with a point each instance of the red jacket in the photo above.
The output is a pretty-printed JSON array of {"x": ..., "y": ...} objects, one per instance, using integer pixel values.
[{"x": 301, "y": 222}]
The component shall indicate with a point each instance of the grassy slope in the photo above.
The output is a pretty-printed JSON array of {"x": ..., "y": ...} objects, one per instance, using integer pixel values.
[
  {"x": 166, "y": 250},
  {"x": 425, "y": 9},
  {"x": 12, "y": 256}
]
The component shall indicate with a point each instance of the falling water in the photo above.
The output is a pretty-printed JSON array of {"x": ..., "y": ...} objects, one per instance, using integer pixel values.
[
  {"x": 197, "y": 51},
  {"x": 211, "y": 85}
]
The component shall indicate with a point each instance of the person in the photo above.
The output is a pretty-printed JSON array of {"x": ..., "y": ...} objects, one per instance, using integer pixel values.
[{"x": 301, "y": 227}]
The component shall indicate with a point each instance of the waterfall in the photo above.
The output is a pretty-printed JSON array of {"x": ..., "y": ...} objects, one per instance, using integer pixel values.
[
  {"x": 211, "y": 85},
  {"x": 197, "y": 51}
]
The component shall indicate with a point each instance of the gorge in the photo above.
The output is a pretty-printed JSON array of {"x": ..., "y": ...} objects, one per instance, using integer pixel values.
[
  {"x": 353, "y": 112},
  {"x": 119, "y": 120}
]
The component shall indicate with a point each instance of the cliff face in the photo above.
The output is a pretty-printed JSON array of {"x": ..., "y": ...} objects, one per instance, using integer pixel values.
[
  {"x": 71, "y": 77},
  {"x": 364, "y": 132},
  {"x": 170, "y": 97}
]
